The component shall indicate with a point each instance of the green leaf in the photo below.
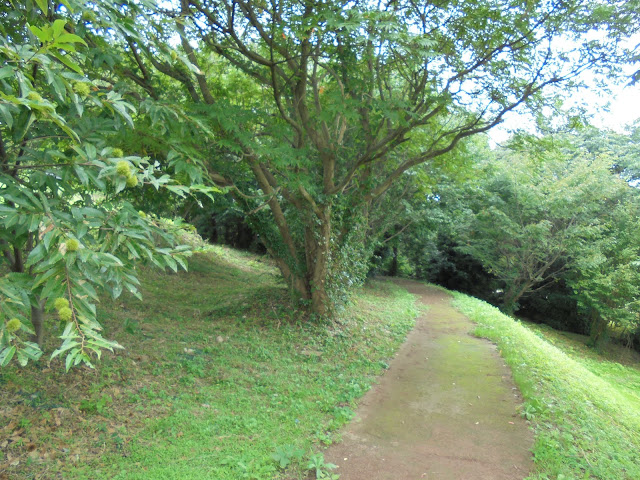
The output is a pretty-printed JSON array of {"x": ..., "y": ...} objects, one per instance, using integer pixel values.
[
  {"x": 6, "y": 72},
  {"x": 82, "y": 175},
  {"x": 53, "y": 288},
  {"x": 171, "y": 263},
  {"x": 70, "y": 38},
  {"x": 6, "y": 115},
  {"x": 58, "y": 27},
  {"x": 70, "y": 358},
  {"x": 23, "y": 359},
  {"x": 44, "y": 34},
  {"x": 6, "y": 355},
  {"x": 66, "y": 61},
  {"x": 44, "y": 6}
]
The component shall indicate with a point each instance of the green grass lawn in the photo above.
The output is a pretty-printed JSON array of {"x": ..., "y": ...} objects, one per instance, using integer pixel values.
[
  {"x": 583, "y": 405},
  {"x": 219, "y": 375}
]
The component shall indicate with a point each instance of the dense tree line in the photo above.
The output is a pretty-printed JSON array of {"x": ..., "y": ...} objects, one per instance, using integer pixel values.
[{"x": 547, "y": 226}]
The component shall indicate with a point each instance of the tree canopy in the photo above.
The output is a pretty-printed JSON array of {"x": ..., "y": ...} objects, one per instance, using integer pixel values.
[{"x": 319, "y": 108}]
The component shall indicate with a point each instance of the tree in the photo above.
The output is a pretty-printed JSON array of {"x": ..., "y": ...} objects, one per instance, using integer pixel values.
[
  {"x": 606, "y": 278},
  {"x": 66, "y": 228},
  {"x": 340, "y": 100},
  {"x": 534, "y": 219}
]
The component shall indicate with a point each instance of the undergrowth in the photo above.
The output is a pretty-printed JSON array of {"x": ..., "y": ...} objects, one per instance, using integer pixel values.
[{"x": 220, "y": 379}]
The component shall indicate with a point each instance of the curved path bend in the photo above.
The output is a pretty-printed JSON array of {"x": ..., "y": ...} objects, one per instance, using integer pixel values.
[{"x": 444, "y": 410}]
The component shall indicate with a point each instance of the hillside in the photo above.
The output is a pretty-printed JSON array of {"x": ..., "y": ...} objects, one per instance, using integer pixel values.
[
  {"x": 217, "y": 377},
  {"x": 584, "y": 406}
]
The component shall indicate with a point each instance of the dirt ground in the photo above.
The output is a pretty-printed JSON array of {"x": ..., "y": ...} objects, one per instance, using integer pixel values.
[{"x": 445, "y": 409}]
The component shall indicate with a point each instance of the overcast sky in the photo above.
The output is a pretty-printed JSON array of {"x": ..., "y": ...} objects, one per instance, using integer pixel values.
[{"x": 624, "y": 109}]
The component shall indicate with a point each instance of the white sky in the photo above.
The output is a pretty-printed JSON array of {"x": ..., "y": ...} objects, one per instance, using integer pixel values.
[
  {"x": 613, "y": 111},
  {"x": 623, "y": 110}
]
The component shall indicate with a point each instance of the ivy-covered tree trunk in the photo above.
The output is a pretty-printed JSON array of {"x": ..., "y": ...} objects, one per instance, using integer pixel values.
[
  {"x": 513, "y": 294},
  {"x": 317, "y": 256}
]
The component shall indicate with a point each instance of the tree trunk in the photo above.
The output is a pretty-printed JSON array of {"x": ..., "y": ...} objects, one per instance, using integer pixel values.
[
  {"x": 597, "y": 329},
  {"x": 512, "y": 295},
  {"x": 16, "y": 263},
  {"x": 393, "y": 269},
  {"x": 318, "y": 252},
  {"x": 37, "y": 320}
]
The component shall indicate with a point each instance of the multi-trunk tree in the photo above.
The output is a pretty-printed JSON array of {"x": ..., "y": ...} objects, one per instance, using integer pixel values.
[{"x": 316, "y": 109}]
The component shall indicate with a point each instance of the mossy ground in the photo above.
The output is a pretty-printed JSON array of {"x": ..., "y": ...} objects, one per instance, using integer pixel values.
[
  {"x": 446, "y": 408},
  {"x": 583, "y": 404},
  {"x": 218, "y": 372}
]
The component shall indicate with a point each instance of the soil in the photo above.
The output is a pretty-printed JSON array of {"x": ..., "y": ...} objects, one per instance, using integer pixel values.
[{"x": 446, "y": 409}]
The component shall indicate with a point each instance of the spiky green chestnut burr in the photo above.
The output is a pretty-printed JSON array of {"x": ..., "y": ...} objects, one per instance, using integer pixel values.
[
  {"x": 123, "y": 168},
  {"x": 65, "y": 314},
  {"x": 81, "y": 89},
  {"x": 72, "y": 245},
  {"x": 132, "y": 181},
  {"x": 13, "y": 325}
]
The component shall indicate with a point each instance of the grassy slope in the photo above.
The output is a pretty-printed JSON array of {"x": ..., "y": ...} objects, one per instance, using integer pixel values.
[
  {"x": 585, "y": 409},
  {"x": 217, "y": 374}
]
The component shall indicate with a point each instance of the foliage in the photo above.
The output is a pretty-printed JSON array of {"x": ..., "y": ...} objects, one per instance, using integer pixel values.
[
  {"x": 587, "y": 422},
  {"x": 607, "y": 278},
  {"x": 546, "y": 225},
  {"x": 219, "y": 375},
  {"x": 310, "y": 112},
  {"x": 532, "y": 220},
  {"x": 67, "y": 227},
  {"x": 320, "y": 468}
]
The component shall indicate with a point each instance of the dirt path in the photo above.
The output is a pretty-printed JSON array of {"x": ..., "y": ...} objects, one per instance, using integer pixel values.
[{"x": 445, "y": 409}]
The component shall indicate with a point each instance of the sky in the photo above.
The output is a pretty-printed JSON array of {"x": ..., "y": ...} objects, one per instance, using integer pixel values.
[
  {"x": 623, "y": 110},
  {"x": 614, "y": 111}
]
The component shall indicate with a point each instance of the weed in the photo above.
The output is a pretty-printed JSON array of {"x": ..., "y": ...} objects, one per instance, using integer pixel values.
[
  {"x": 287, "y": 454},
  {"x": 131, "y": 326},
  {"x": 96, "y": 406},
  {"x": 321, "y": 469},
  {"x": 24, "y": 423}
]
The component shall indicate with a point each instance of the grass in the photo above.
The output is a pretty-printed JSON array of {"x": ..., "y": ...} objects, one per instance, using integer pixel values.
[
  {"x": 584, "y": 406},
  {"x": 220, "y": 379}
]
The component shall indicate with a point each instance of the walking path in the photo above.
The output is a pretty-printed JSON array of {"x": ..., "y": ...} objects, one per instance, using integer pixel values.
[{"x": 445, "y": 409}]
